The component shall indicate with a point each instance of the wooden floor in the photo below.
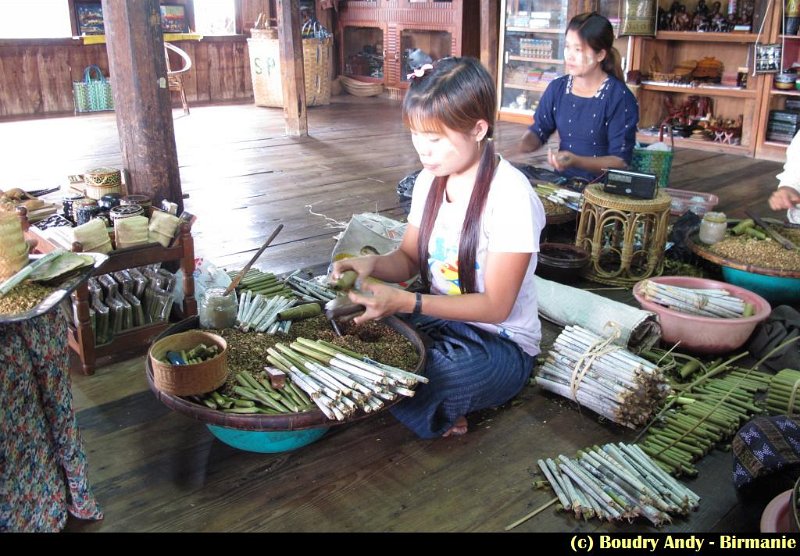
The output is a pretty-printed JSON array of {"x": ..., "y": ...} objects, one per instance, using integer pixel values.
[{"x": 155, "y": 470}]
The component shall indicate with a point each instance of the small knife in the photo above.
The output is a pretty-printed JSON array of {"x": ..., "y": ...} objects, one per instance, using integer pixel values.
[
  {"x": 786, "y": 243},
  {"x": 341, "y": 306}
]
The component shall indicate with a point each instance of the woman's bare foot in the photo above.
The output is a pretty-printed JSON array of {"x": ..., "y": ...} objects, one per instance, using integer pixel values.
[{"x": 458, "y": 428}]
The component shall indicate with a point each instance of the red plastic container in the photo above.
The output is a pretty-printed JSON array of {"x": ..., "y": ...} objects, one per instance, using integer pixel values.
[
  {"x": 704, "y": 334},
  {"x": 698, "y": 203}
]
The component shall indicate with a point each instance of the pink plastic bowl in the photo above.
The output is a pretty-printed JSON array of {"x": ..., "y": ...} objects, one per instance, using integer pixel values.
[{"x": 704, "y": 334}]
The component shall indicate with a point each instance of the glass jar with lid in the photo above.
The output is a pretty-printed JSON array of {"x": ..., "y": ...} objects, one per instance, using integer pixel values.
[
  {"x": 218, "y": 310},
  {"x": 713, "y": 227}
]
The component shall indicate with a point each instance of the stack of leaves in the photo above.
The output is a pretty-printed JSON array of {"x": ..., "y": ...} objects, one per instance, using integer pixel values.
[
  {"x": 703, "y": 413},
  {"x": 264, "y": 283},
  {"x": 256, "y": 394},
  {"x": 783, "y": 395}
]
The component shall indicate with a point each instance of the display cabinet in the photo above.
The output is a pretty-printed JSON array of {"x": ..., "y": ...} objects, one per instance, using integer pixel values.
[
  {"x": 531, "y": 51},
  {"x": 780, "y": 108},
  {"x": 383, "y": 40}
]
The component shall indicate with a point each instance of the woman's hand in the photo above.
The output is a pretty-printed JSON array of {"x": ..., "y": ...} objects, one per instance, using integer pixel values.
[
  {"x": 381, "y": 301},
  {"x": 363, "y": 266},
  {"x": 561, "y": 160},
  {"x": 784, "y": 198}
]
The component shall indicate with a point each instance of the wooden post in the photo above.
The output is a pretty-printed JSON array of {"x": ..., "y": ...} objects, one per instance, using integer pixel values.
[
  {"x": 142, "y": 99},
  {"x": 488, "y": 34},
  {"x": 290, "y": 47}
]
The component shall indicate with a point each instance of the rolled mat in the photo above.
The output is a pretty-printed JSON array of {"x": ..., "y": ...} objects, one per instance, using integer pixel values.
[{"x": 565, "y": 305}]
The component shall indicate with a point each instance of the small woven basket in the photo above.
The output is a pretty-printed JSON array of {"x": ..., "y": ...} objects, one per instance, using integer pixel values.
[
  {"x": 13, "y": 250},
  {"x": 189, "y": 380},
  {"x": 102, "y": 181},
  {"x": 648, "y": 161}
]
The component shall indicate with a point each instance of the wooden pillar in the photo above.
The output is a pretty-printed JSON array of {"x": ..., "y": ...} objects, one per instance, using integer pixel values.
[
  {"x": 290, "y": 47},
  {"x": 142, "y": 99},
  {"x": 488, "y": 33}
]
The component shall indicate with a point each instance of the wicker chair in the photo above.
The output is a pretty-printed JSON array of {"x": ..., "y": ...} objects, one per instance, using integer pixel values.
[{"x": 175, "y": 77}]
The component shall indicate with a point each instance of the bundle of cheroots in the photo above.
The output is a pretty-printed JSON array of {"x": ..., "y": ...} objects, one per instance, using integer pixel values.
[
  {"x": 603, "y": 377},
  {"x": 615, "y": 482}
]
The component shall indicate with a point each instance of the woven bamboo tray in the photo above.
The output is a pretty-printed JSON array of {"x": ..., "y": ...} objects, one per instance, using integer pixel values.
[
  {"x": 285, "y": 421},
  {"x": 360, "y": 88},
  {"x": 697, "y": 248}
]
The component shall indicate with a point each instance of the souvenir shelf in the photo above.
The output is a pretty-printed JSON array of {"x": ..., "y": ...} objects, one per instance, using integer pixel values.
[
  {"x": 784, "y": 101},
  {"x": 81, "y": 337},
  {"x": 381, "y": 39},
  {"x": 532, "y": 51},
  {"x": 733, "y": 49}
]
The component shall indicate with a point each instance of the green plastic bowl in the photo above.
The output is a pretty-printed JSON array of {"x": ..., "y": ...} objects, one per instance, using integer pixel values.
[{"x": 266, "y": 442}]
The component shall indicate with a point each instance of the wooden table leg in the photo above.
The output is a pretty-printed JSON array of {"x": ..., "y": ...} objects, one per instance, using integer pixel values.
[{"x": 83, "y": 332}]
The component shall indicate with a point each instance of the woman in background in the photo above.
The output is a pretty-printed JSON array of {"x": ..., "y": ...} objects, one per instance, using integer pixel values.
[{"x": 591, "y": 108}]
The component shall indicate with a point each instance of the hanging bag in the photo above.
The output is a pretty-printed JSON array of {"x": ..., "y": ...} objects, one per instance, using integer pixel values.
[{"x": 93, "y": 95}]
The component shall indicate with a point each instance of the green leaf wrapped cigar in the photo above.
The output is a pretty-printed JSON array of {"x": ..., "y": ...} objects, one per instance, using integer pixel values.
[
  {"x": 740, "y": 228},
  {"x": 300, "y": 312},
  {"x": 346, "y": 281},
  {"x": 756, "y": 233}
]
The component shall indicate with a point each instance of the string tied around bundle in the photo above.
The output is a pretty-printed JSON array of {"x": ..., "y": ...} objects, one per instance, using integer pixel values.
[{"x": 601, "y": 347}]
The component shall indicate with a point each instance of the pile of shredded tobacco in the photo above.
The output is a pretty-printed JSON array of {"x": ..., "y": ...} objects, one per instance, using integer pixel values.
[
  {"x": 765, "y": 253},
  {"x": 23, "y": 298},
  {"x": 247, "y": 351}
]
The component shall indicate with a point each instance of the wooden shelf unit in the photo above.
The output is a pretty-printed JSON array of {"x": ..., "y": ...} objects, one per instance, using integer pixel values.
[
  {"x": 733, "y": 92},
  {"x": 775, "y": 99},
  {"x": 671, "y": 48},
  {"x": 81, "y": 337},
  {"x": 710, "y": 146}
]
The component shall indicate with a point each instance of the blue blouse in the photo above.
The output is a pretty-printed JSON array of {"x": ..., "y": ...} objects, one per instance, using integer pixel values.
[{"x": 604, "y": 125}]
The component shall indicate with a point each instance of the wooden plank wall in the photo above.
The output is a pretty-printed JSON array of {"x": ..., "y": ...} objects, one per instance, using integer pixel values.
[
  {"x": 38, "y": 73},
  {"x": 37, "y": 77}
]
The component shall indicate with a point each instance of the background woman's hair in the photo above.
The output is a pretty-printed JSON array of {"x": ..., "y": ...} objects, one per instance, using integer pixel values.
[
  {"x": 596, "y": 31},
  {"x": 455, "y": 94}
]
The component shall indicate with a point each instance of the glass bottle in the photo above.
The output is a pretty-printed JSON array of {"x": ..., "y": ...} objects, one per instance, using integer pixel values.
[
  {"x": 713, "y": 227},
  {"x": 218, "y": 310}
]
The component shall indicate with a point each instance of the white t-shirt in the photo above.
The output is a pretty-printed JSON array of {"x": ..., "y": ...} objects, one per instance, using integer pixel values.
[
  {"x": 790, "y": 177},
  {"x": 512, "y": 222}
]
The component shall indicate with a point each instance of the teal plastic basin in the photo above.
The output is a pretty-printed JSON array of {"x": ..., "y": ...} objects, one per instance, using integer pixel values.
[
  {"x": 775, "y": 289},
  {"x": 266, "y": 442}
]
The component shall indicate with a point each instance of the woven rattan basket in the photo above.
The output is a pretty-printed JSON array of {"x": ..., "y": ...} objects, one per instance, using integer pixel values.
[
  {"x": 13, "y": 249},
  {"x": 102, "y": 181},
  {"x": 189, "y": 380},
  {"x": 265, "y": 68},
  {"x": 360, "y": 88}
]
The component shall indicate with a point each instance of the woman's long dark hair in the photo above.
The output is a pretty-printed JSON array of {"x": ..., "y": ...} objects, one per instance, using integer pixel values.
[
  {"x": 596, "y": 31},
  {"x": 456, "y": 93}
]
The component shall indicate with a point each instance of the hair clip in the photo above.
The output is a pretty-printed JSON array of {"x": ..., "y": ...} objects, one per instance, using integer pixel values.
[{"x": 419, "y": 72}]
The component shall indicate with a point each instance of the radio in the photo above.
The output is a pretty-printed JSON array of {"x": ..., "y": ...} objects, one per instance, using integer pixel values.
[{"x": 630, "y": 184}]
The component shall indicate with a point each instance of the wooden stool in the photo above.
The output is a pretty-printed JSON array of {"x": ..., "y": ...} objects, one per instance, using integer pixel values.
[{"x": 625, "y": 237}]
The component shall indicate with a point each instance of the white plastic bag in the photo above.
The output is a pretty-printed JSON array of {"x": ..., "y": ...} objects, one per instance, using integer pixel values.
[
  {"x": 368, "y": 234},
  {"x": 206, "y": 276}
]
